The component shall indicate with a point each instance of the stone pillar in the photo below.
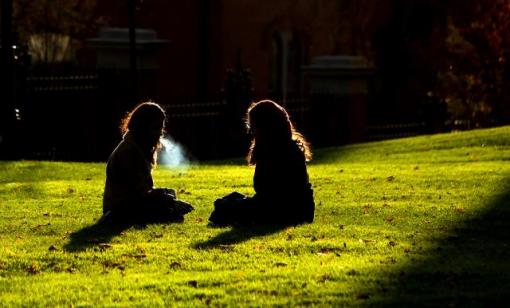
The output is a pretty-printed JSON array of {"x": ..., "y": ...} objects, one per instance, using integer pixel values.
[
  {"x": 114, "y": 59},
  {"x": 338, "y": 90}
]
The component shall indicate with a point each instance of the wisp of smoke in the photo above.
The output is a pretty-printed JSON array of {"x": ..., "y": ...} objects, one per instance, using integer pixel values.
[{"x": 172, "y": 154}]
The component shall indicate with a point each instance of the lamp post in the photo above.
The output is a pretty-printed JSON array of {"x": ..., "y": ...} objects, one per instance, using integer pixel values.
[
  {"x": 132, "y": 49},
  {"x": 6, "y": 112},
  {"x": 6, "y": 10}
]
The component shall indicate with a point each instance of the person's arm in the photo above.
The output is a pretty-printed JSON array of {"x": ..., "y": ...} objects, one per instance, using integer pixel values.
[{"x": 261, "y": 178}]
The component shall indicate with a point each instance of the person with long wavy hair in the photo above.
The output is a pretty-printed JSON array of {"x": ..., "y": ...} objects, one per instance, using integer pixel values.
[
  {"x": 129, "y": 194},
  {"x": 283, "y": 193}
]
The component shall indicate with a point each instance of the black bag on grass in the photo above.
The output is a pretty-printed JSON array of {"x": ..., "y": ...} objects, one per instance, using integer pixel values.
[{"x": 234, "y": 208}]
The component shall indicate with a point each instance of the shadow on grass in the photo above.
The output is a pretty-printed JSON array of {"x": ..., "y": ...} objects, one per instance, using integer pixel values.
[
  {"x": 101, "y": 233},
  {"x": 470, "y": 267},
  {"x": 239, "y": 234},
  {"x": 96, "y": 235}
]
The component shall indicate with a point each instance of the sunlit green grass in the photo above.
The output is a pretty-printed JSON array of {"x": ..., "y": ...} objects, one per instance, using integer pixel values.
[{"x": 410, "y": 221}]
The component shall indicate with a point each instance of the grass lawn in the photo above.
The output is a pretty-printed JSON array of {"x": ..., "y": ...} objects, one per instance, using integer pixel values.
[{"x": 417, "y": 221}]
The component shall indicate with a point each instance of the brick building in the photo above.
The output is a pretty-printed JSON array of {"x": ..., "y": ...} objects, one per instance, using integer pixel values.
[
  {"x": 275, "y": 39},
  {"x": 185, "y": 50}
]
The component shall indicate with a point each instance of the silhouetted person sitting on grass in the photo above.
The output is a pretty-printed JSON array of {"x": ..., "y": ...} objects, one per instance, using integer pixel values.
[
  {"x": 279, "y": 153},
  {"x": 129, "y": 195}
]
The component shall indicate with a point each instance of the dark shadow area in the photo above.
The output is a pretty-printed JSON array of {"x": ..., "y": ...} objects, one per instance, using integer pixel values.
[
  {"x": 101, "y": 233},
  {"x": 239, "y": 234},
  {"x": 470, "y": 267},
  {"x": 98, "y": 234}
]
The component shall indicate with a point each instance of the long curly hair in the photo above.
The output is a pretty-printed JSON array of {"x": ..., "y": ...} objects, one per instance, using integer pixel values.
[
  {"x": 138, "y": 123},
  {"x": 272, "y": 130}
]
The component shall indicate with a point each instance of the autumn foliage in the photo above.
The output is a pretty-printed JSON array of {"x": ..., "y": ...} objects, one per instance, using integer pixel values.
[{"x": 474, "y": 71}]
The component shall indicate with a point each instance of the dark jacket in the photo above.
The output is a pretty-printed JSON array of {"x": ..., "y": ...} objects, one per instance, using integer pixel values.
[
  {"x": 283, "y": 191},
  {"x": 128, "y": 175}
]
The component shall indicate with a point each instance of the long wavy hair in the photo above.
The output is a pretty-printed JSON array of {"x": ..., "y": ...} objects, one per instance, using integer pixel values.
[
  {"x": 272, "y": 131},
  {"x": 138, "y": 123}
]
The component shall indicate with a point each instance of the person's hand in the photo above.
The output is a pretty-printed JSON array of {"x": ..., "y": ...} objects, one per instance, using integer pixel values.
[{"x": 182, "y": 207}]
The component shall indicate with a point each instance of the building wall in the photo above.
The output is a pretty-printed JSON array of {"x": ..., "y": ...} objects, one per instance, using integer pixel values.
[
  {"x": 252, "y": 26},
  {"x": 206, "y": 36},
  {"x": 175, "y": 21}
]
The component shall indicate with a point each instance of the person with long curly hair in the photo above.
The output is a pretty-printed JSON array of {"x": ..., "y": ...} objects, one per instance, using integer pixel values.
[
  {"x": 283, "y": 193},
  {"x": 129, "y": 193}
]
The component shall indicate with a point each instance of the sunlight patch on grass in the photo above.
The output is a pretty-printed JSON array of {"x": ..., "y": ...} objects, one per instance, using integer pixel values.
[{"x": 386, "y": 213}]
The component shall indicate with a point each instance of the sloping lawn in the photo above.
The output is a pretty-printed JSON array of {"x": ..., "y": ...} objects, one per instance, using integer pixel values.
[{"x": 418, "y": 221}]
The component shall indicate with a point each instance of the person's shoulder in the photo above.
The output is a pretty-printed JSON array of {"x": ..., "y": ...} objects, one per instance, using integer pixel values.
[
  {"x": 122, "y": 152},
  {"x": 297, "y": 150},
  {"x": 121, "y": 147}
]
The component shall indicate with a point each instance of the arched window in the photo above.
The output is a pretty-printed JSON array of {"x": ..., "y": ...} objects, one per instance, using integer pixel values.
[
  {"x": 294, "y": 62},
  {"x": 285, "y": 66},
  {"x": 276, "y": 69}
]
